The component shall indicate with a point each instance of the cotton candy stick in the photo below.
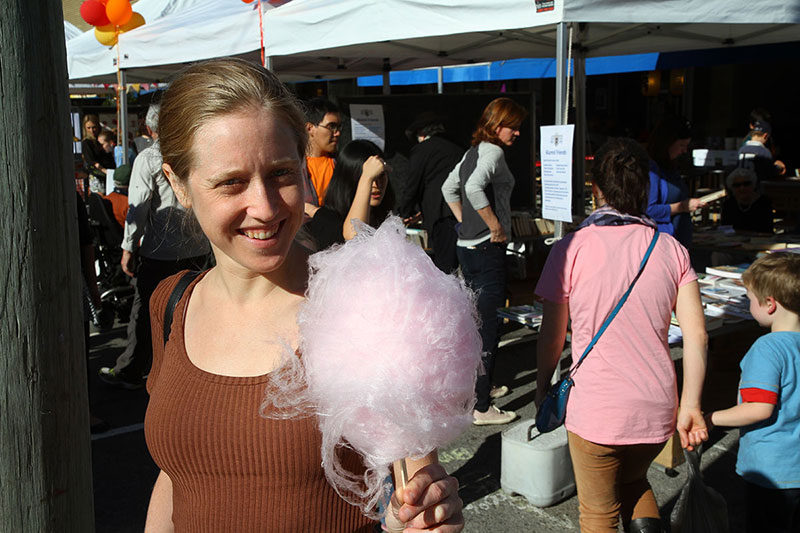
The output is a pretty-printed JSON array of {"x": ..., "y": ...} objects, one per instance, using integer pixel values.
[{"x": 404, "y": 469}]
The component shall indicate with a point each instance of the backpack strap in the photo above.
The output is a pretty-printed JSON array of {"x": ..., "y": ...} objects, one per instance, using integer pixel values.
[{"x": 175, "y": 297}]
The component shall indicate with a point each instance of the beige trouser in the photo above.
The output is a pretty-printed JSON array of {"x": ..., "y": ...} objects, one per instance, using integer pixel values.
[{"x": 612, "y": 483}]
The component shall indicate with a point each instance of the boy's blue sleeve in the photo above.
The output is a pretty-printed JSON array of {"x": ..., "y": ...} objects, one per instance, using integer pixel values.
[
  {"x": 761, "y": 367},
  {"x": 660, "y": 212}
]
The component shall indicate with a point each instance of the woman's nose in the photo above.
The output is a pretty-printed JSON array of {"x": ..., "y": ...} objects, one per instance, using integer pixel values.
[{"x": 263, "y": 200}]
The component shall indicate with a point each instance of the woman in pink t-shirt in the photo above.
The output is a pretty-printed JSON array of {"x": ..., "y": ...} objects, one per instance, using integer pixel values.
[{"x": 624, "y": 405}]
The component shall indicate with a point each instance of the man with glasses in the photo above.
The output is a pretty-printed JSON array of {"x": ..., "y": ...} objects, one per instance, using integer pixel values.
[{"x": 324, "y": 126}]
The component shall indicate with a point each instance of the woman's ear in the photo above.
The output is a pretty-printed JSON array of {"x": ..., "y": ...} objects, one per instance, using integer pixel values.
[{"x": 181, "y": 192}]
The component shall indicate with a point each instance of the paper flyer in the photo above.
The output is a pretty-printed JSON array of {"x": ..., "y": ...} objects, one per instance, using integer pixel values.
[
  {"x": 366, "y": 122},
  {"x": 109, "y": 181},
  {"x": 556, "y": 156}
]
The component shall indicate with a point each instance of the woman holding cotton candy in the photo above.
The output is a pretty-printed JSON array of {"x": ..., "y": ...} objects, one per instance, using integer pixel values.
[
  {"x": 232, "y": 141},
  {"x": 478, "y": 192},
  {"x": 359, "y": 190},
  {"x": 624, "y": 405}
]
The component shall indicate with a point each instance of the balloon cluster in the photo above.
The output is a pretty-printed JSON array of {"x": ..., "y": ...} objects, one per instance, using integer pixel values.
[{"x": 110, "y": 18}]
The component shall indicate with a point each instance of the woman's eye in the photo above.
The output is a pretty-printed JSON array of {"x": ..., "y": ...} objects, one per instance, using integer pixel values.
[{"x": 233, "y": 182}]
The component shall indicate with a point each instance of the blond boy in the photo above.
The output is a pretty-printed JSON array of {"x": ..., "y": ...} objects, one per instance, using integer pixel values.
[{"x": 768, "y": 412}]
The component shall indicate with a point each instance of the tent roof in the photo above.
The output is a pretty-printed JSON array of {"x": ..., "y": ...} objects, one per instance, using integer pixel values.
[
  {"x": 176, "y": 31},
  {"x": 414, "y": 34},
  {"x": 310, "y": 39}
]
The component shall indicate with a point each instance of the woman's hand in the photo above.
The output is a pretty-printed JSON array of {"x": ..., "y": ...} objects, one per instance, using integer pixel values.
[
  {"x": 373, "y": 167},
  {"x": 497, "y": 234},
  {"x": 693, "y": 204},
  {"x": 692, "y": 427},
  {"x": 429, "y": 502}
]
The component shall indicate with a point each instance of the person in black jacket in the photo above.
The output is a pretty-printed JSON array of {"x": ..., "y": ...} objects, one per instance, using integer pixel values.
[{"x": 430, "y": 162}]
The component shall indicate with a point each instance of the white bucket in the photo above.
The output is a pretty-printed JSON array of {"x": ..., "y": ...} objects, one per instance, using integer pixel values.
[{"x": 536, "y": 465}]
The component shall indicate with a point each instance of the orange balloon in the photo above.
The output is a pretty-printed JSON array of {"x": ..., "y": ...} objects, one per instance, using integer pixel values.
[
  {"x": 119, "y": 12},
  {"x": 106, "y": 35},
  {"x": 136, "y": 20}
]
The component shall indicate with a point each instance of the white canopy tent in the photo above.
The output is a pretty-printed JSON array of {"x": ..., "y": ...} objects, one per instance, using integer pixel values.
[
  {"x": 361, "y": 35},
  {"x": 413, "y": 34},
  {"x": 70, "y": 31},
  {"x": 176, "y": 31}
]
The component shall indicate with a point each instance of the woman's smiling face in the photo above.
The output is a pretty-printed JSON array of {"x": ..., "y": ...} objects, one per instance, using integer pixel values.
[{"x": 245, "y": 188}]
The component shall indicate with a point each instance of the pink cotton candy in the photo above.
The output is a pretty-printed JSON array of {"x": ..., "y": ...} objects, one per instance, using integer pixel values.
[{"x": 390, "y": 352}]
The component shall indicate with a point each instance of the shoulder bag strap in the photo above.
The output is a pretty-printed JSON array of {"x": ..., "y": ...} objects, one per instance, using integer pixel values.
[
  {"x": 175, "y": 297},
  {"x": 618, "y": 306}
]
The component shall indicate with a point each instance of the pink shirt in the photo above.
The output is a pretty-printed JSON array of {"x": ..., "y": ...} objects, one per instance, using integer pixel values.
[{"x": 625, "y": 391}]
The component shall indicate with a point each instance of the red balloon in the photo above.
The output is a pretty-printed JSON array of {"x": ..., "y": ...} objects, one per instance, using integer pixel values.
[
  {"x": 119, "y": 12},
  {"x": 94, "y": 13}
]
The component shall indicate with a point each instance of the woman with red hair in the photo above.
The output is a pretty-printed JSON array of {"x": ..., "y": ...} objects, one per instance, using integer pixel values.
[{"x": 478, "y": 192}]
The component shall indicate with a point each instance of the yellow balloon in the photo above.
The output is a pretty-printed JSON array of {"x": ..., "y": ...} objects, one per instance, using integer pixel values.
[
  {"x": 136, "y": 20},
  {"x": 106, "y": 35}
]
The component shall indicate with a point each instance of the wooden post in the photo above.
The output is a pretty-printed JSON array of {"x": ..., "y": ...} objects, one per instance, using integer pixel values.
[{"x": 45, "y": 458}]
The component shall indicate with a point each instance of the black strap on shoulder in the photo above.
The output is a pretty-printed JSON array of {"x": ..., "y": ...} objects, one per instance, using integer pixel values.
[{"x": 175, "y": 297}]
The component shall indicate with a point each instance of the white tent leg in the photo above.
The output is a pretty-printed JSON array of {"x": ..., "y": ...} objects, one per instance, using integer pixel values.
[
  {"x": 122, "y": 94},
  {"x": 439, "y": 79},
  {"x": 579, "y": 160},
  {"x": 268, "y": 63},
  {"x": 561, "y": 91}
]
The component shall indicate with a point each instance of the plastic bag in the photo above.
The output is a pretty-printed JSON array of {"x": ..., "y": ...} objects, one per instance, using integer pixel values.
[{"x": 699, "y": 509}]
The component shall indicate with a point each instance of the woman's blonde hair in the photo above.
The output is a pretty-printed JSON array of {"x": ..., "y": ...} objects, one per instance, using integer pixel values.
[
  {"x": 207, "y": 90},
  {"x": 89, "y": 118},
  {"x": 500, "y": 112}
]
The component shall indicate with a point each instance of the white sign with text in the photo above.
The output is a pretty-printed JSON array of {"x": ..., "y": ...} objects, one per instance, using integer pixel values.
[
  {"x": 366, "y": 122},
  {"x": 556, "y": 157}
]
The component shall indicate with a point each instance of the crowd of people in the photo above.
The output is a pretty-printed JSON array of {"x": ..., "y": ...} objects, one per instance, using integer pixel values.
[{"x": 244, "y": 217}]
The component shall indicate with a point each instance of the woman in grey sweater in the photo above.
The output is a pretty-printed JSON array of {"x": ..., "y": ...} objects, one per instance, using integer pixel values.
[{"x": 478, "y": 191}]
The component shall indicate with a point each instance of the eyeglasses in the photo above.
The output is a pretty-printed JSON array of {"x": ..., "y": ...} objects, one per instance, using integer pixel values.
[
  {"x": 333, "y": 127},
  {"x": 739, "y": 184}
]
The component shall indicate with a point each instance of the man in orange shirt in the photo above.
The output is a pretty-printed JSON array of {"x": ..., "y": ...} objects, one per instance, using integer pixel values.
[{"x": 324, "y": 126}]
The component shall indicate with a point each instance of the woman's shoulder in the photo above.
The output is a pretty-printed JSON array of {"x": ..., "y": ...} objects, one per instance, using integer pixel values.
[
  {"x": 160, "y": 297},
  {"x": 488, "y": 149}
]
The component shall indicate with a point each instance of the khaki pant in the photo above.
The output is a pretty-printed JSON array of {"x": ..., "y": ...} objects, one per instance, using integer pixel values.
[{"x": 612, "y": 483}]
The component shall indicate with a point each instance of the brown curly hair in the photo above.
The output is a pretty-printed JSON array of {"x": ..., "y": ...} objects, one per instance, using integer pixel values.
[{"x": 621, "y": 171}]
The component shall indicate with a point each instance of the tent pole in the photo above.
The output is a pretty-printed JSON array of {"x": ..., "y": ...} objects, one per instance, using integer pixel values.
[
  {"x": 561, "y": 91},
  {"x": 439, "y": 79},
  {"x": 122, "y": 97},
  {"x": 386, "y": 86},
  {"x": 268, "y": 63},
  {"x": 579, "y": 172}
]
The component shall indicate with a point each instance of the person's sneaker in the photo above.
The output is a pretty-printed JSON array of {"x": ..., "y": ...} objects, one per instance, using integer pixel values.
[
  {"x": 493, "y": 416},
  {"x": 118, "y": 379},
  {"x": 498, "y": 392}
]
